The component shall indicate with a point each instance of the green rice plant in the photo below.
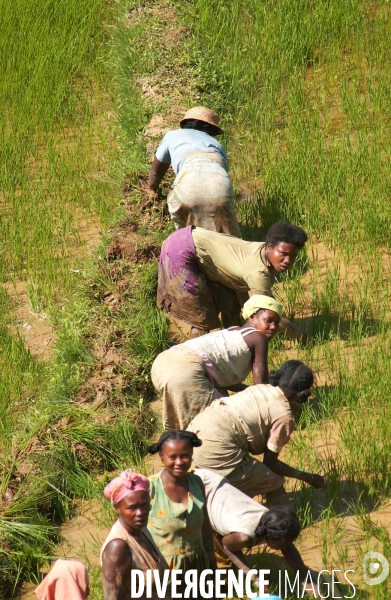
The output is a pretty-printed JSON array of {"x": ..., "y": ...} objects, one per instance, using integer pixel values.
[
  {"x": 26, "y": 546},
  {"x": 48, "y": 129},
  {"x": 303, "y": 89},
  {"x": 306, "y": 124}
]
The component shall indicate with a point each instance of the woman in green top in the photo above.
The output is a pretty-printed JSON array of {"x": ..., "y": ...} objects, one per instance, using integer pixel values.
[
  {"x": 203, "y": 274},
  {"x": 178, "y": 520}
]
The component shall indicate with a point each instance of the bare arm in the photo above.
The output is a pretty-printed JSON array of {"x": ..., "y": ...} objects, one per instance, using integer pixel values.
[
  {"x": 156, "y": 174},
  {"x": 277, "y": 466},
  {"x": 258, "y": 345},
  {"x": 292, "y": 331},
  {"x": 239, "y": 559},
  {"x": 295, "y": 562},
  {"x": 236, "y": 541},
  {"x": 207, "y": 531},
  {"x": 233, "y": 544},
  {"x": 116, "y": 566}
]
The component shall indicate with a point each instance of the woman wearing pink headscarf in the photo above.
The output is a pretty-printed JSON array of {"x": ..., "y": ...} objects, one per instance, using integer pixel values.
[
  {"x": 67, "y": 580},
  {"x": 129, "y": 545}
]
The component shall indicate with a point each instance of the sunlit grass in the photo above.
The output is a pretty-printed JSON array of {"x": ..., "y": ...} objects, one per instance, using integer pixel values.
[{"x": 304, "y": 93}]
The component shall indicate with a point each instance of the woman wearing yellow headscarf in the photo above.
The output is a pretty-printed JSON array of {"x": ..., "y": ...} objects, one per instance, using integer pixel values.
[{"x": 192, "y": 374}]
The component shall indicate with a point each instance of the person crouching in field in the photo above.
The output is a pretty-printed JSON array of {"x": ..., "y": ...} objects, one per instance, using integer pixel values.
[
  {"x": 203, "y": 273},
  {"x": 129, "y": 544},
  {"x": 258, "y": 420},
  {"x": 242, "y": 523},
  {"x": 66, "y": 580},
  {"x": 192, "y": 374},
  {"x": 202, "y": 193}
]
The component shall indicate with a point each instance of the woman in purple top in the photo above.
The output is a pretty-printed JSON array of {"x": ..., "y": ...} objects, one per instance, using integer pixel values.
[{"x": 202, "y": 193}]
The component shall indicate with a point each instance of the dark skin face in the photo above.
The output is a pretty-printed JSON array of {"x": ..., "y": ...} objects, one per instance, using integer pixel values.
[
  {"x": 133, "y": 511},
  {"x": 177, "y": 456},
  {"x": 117, "y": 562},
  {"x": 282, "y": 256},
  {"x": 266, "y": 321}
]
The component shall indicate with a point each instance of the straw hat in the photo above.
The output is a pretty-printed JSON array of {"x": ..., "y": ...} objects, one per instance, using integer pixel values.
[{"x": 203, "y": 114}]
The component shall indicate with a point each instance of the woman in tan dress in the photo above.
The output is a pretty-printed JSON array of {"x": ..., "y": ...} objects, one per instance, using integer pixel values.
[
  {"x": 241, "y": 523},
  {"x": 258, "y": 420},
  {"x": 192, "y": 374},
  {"x": 129, "y": 544}
]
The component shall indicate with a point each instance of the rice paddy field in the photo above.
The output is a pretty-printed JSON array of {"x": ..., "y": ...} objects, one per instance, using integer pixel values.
[{"x": 88, "y": 88}]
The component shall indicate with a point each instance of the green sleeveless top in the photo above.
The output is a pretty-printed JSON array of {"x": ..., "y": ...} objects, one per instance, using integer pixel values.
[{"x": 176, "y": 530}]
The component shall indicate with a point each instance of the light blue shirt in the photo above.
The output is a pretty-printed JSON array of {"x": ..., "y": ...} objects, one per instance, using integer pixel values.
[{"x": 177, "y": 145}]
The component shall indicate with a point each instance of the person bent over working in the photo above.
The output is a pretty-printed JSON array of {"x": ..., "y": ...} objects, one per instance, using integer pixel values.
[
  {"x": 66, "y": 580},
  {"x": 202, "y": 193},
  {"x": 203, "y": 273},
  {"x": 258, "y": 420},
  {"x": 192, "y": 374},
  {"x": 242, "y": 523}
]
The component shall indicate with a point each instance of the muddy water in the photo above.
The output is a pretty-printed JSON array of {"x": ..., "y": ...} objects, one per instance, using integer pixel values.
[{"x": 85, "y": 534}]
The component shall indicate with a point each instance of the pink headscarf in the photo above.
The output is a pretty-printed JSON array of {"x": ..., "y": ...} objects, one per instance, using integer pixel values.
[
  {"x": 67, "y": 580},
  {"x": 127, "y": 482}
]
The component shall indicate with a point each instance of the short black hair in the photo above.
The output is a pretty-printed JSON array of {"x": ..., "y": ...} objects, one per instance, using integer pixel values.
[
  {"x": 173, "y": 434},
  {"x": 294, "y": 377},
  {"x": 279, "y": 524},
  {"x": 200, "y": 126},
  {"x": 285, "y": 232}
]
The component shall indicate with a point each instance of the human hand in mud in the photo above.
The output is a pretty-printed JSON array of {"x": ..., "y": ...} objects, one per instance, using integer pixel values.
[
  {"x": 317, "y": 481},
  {"x": 148, "y": 191}
]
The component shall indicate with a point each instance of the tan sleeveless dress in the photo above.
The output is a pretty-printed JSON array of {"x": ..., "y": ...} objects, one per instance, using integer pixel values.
[
  {"x": 142, "y": 559},
  {"x": 227, "y": 357},
  {"x": 188, "y": 374}
]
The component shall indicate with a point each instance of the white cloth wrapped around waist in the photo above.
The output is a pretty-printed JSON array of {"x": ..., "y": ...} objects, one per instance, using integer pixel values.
[
  {"x": 229, "y": 509},
  {"x": 203, "y": 175},
  {"x": 227, "y": 357}
]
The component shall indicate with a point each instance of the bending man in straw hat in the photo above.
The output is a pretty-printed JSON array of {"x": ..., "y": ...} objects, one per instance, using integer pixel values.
[
  {"x": 192, "y": 374},
  {"x": 202, "y": 193}
]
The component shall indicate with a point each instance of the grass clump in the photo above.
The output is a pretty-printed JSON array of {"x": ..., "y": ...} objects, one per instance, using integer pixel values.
[{"x": 82, "y": 411}]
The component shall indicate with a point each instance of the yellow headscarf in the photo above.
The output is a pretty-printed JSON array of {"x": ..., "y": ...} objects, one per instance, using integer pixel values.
[{"x": 257, "y": 302}]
